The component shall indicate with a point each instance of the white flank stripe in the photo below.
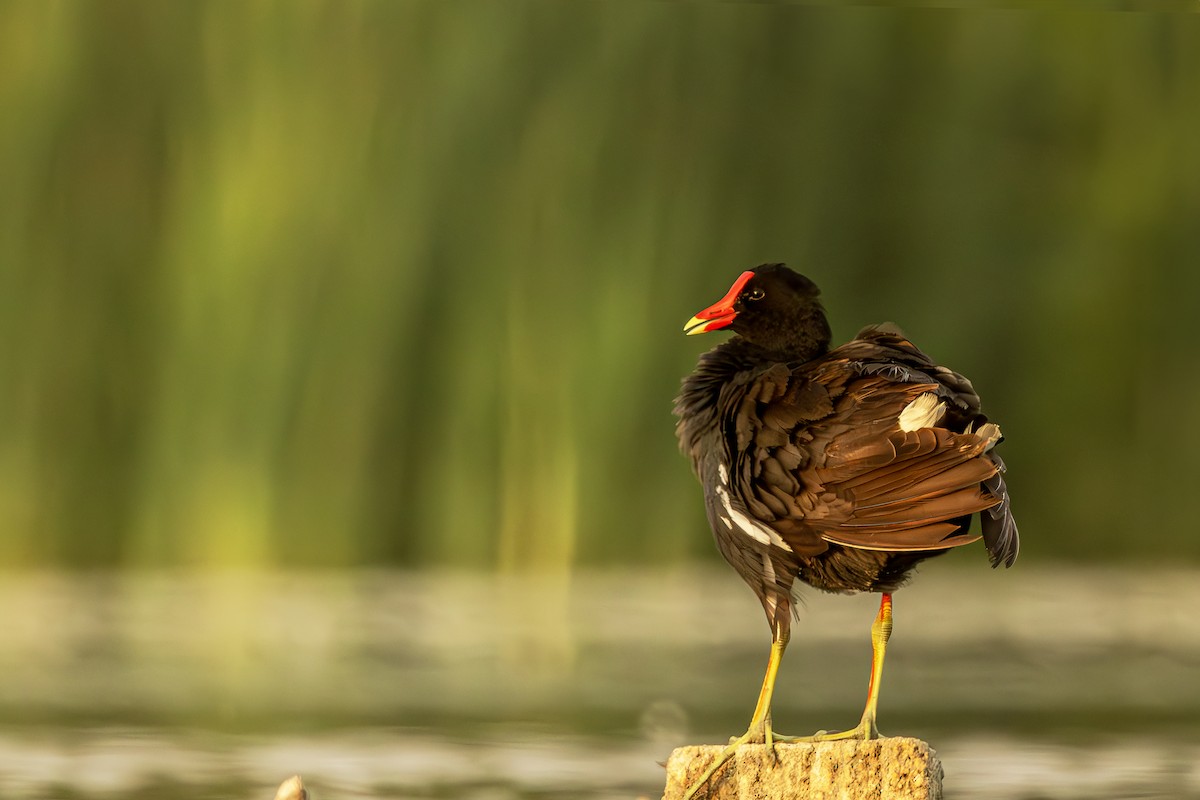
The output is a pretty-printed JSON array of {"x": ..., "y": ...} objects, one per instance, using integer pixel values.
[
  {"x": 755, "y": 530},
  {"x": 769, "y": 575}
]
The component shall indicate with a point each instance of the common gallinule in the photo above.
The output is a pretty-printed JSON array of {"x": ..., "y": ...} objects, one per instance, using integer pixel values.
[{"x": 842, "y": 468}]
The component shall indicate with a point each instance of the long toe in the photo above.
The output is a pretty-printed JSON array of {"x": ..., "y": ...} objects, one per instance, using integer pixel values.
[
  {"x": 757, "y": 734},
  {"x": 865, "y": 730}
]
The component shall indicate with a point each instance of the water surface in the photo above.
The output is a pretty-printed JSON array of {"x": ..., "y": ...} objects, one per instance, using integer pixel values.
[{"x": 1037, "y": 683}]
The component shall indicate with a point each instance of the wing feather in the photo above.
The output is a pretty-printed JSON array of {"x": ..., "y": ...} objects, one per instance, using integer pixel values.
[{"x": 820, "y": 454}]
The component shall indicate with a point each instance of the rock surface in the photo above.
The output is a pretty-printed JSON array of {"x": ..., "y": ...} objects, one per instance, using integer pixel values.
[{"x": 894, "y": 768}]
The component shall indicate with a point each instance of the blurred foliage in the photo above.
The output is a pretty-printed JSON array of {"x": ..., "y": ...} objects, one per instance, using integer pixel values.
[{"x": 336, "y": 283}]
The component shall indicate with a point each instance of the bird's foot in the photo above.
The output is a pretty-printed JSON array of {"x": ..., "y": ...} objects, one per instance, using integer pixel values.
[
  {"x": 760, "y": 733},
  {"x": 763, "y": 733},
  {"x": 865, "y": 730}
]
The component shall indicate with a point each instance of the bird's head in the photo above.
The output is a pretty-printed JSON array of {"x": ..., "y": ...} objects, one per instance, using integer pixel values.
[{"x": 772, "y": 307}]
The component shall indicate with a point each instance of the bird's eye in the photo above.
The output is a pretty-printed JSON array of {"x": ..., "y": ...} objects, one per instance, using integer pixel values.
[{"x": 755, "y": 294}]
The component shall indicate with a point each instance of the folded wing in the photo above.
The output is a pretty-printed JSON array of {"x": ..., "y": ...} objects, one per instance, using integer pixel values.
[{"x": 873, "y": 447}]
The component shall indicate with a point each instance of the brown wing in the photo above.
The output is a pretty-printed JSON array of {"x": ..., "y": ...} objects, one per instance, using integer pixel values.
[{"x": 821, "y": 457}]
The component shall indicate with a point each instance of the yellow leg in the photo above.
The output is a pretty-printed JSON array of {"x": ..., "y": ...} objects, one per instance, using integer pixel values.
[
  {"x": 760, "y": 723},
  {"x": 762, "y": 709},
  {"x": 881, "y": 630}
]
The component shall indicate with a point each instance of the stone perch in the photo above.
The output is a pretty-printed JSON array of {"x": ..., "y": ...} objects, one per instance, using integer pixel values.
[
  {"x": 895, "y": 768},
  {"x": 292, "y": 789}
]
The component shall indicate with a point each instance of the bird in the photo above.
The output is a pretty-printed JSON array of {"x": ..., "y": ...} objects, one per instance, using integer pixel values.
[{"x": 839, "y": 468}]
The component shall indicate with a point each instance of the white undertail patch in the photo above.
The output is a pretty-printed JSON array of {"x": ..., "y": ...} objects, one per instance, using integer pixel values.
[
  {"x": 923, "y": 412},
  {"x": 990, "y": 433}
]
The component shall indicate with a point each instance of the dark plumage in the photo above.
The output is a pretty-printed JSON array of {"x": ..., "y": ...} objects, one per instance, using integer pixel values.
[{"x": 842, "y": 468}]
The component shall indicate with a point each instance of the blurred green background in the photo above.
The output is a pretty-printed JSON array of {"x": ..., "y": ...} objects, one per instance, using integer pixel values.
[
  {"x": 338, "y": 342},
  {"x": 402, "y": 283}
]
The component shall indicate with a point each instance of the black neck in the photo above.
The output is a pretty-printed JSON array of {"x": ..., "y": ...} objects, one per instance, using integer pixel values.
[{"x": 802, "y": 337}]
